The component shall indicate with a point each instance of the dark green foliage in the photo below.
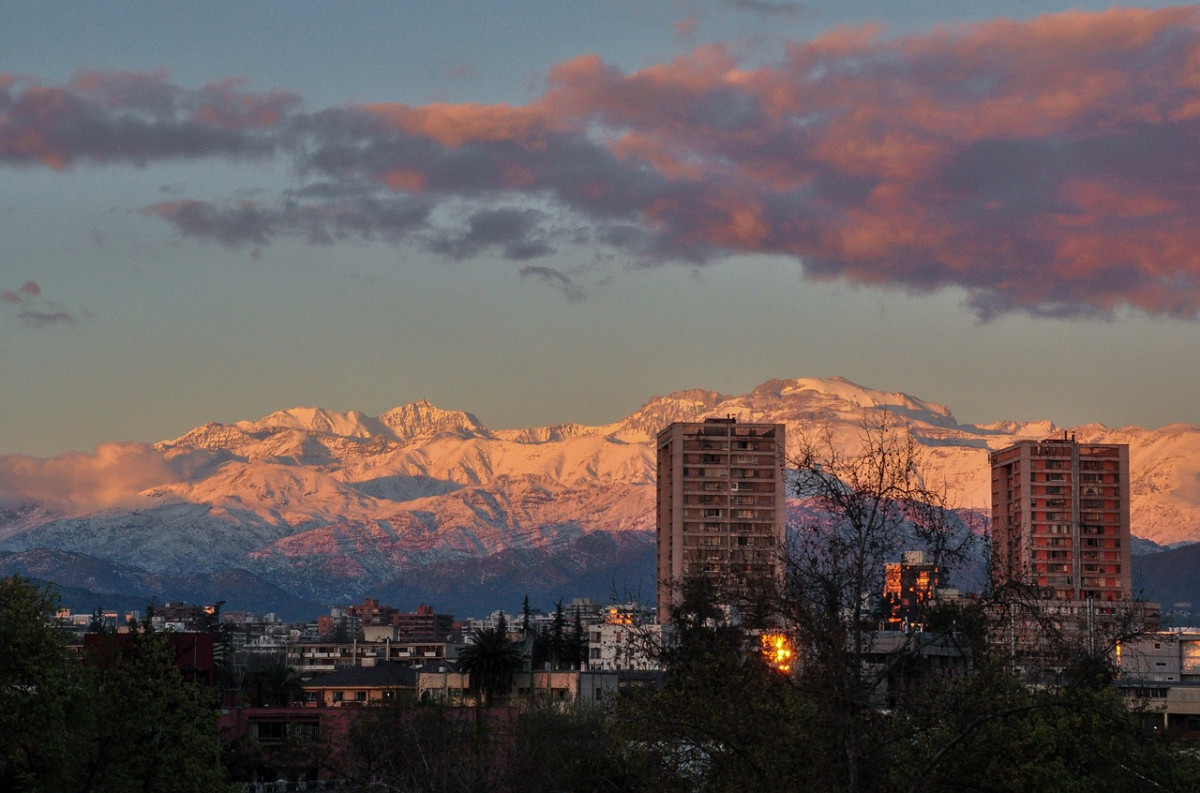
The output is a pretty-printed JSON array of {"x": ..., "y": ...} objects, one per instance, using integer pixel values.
[
  {"x": 550, "y": 749},
  {"x": 146, "y": 728},
  {"x": 491, "y": 660},
  {"x": 574, "y": 652},
  {"x": 35, "y": 690},
  {"x": 996, "y": 735},
  {"x": 126, "y": 722},
  {"x": 427, "y": 748},
  {"x": 558, "y": 635},
  {"x": 277, "y": 685}
]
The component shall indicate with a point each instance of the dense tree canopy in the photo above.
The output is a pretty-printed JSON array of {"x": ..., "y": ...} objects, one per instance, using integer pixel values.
[{"x": 122, "y": 721}]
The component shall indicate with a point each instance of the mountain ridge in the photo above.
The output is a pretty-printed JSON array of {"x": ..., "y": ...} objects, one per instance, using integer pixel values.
[{"x": 328, "y": 504}]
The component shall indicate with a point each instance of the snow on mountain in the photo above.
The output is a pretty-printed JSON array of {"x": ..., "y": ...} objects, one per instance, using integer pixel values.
[
  {"x": 329, "y": 504},
  {"x": 350, "y": 425},
  {"x": 423, "y": 419}
]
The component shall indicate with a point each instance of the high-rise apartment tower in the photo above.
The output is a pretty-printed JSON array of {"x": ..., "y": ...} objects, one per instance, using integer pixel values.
[
  {"x": 721, "y": 506},
  {"x": 1060, "y": 518}
]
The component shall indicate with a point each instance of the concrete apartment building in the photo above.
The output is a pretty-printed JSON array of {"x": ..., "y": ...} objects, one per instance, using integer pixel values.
[
  {"x": 1060, "y": 519},
  {"x": 721, "y": 505},
  {"x": 1160, "y": 674}
]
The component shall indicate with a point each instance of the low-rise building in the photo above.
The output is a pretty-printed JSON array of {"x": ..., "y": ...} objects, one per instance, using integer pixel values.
[
  {"x": 622, "y": 646},
  {"x": 312, "y": 658},
  {"x": 1160, "y": 674},
  {"x": 362, "y": 685},
  {"x": 571, "y": 687}
]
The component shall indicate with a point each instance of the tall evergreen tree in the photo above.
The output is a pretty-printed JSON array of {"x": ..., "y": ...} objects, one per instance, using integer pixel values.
[
  {"x": 558, "y": 635},
  {"x": 577, "y": 652}
]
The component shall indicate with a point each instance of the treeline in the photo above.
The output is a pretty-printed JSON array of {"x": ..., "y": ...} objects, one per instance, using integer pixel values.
[
  {"x": 120, "y": 719},
  {"x": 725, "y": 719}
]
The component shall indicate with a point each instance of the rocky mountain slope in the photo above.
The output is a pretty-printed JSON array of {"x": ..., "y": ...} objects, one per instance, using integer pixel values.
[{"x": 327, "y": 505}]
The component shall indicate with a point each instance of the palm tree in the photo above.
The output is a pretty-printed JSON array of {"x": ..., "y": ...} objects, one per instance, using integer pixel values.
[
  {"x": 277, "y": 684},
  {"x": 491, "y": 661}
]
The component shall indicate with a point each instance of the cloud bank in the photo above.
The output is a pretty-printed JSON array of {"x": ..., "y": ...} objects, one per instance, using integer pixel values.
[
  {"x": 78, "y": 483},
  {"x": 1046, "y": 167}
]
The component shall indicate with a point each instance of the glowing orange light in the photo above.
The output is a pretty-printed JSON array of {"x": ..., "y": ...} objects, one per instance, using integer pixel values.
[{"x": 778, "y": 651}]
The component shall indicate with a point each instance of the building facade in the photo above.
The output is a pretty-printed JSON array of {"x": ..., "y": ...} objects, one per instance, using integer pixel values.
[
  {"x": 1060, "y": 519},
  {"x": 1160, "y": 674},
  {"x": 909, "y": 586},
  {"x": 721, "y": 506}
]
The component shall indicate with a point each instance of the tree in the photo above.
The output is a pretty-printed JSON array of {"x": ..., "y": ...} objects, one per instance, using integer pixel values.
[
  {"x": 577, "y": 646},
  {"x": 426, "y": 748},
  {"x": 122, "y": 720},
  {"x": 549, "y": 748},
  {"x": 866, "y": 508},
  {"x": 145, "y": 727},
  {"x": 526, "y": 616},
  {"x": 491, "y": 661},
  {"x": 558, "y": 626},
  {"x": 276, "y": 684},
  {"x": 36, "y": 700},
  {"x": 723, "y": 720}
]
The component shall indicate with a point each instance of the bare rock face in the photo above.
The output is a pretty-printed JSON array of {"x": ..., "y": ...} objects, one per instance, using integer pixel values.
[{"x": 327, "y": 504}]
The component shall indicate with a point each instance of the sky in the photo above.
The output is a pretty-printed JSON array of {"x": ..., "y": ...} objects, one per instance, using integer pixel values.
[{"x": 543, "y": 212}]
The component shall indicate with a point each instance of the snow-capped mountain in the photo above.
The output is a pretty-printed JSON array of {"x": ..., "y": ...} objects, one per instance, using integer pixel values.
[{"x": 327, "y": 505}]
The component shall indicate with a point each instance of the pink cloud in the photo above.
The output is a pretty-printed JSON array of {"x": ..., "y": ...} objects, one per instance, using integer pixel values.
[
  {"x": 36, "y": 312},
  {"x": 114, "y": 475},
  {"x": 1044, "y": 166}
]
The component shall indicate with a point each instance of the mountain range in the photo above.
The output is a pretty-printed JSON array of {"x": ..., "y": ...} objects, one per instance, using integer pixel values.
[{"x": 309, "y": 506}]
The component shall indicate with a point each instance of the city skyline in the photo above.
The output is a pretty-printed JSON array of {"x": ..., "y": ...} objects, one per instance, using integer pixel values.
[{"x": 545, "y": 214}]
